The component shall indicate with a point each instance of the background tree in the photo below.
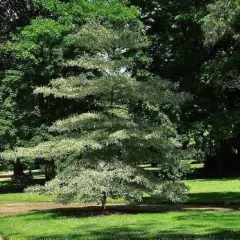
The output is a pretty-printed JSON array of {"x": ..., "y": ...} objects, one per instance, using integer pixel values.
[
  {"x": 32, "y": 54},
  {"x": 219, "y": 79},
  {"x": 195, "y": 43}
]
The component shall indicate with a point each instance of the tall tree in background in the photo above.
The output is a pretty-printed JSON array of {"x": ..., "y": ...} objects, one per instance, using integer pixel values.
[
  {"x": 195, "y": 43},
  {"x": 178, "y": 54},
  {"x": 219, "y": 86},
  {"x": 32, "y": 54},
  {"x": 14, "y": 15}
]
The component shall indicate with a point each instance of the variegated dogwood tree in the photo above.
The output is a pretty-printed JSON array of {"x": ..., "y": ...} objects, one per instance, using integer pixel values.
[{"x": 100, "y": 153}]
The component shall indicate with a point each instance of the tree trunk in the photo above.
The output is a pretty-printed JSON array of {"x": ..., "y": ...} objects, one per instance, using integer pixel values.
[
  {"x": 50, "y": 172},
  {"x": 226, "y": 161},
  {"x": 104, "y": 200},
  {"x": 18, "y": 173}
]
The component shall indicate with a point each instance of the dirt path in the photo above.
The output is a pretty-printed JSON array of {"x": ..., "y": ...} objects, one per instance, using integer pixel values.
[
  {"x": 2, "y": 237},
  {"x": 18, "y": 208}
]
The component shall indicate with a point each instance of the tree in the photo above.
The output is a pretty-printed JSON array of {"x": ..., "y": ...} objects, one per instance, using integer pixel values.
[
  {"x": 35, "y": 56},
  {"x": 32, "y": 52},
  {"x": 178, "y": 53},
  {"x": 16, "y": 13},
  {"x": 196, "y": 44},
  {"x": 217, "y": 98},
  {"x": 99, "y": 152}
]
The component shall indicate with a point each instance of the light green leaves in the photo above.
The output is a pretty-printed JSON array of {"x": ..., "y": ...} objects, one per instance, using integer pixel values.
[{"x": 220, "y": 19}]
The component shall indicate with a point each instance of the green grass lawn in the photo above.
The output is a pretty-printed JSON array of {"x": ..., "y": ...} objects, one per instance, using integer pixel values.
[
  {"x": 134, "y": 223},
  {"x": 182, "y": 225},
  {"x": 202, "y": 191},
  {"x": 24, "y": 197},
  {"x": 197, "y": 165},
  {"x": 225, "y": 191},
  {"x": 217, "y": 191}
]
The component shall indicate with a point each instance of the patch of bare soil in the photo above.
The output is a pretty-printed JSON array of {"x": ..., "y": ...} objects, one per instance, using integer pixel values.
[
  {"x": 2, "y": 237},
  {"x": 86, "y": 210},
  {"x": 18, "y": 208}
]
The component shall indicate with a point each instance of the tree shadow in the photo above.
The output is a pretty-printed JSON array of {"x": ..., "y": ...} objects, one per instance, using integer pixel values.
[
  {"x": 209, "y": 198},
  {"x": 212, "y": 179},
  {"x": 145, "y": 226},
  {"x": 95, "y": 211},
  {"x": 127, "y": 233},
  {"x": 218, "y": 198},
  {"x": 10, "y": 187}
]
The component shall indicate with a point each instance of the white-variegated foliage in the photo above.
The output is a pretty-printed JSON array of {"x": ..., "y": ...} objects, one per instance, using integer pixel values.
[{"x": 102, "y": 150}]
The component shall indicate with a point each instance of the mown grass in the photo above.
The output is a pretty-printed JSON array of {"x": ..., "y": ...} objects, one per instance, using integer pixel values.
[
  {"x": 201, "y": 191},
  {"x": 217, "y": 191},
  {"x": 24, "y": 197},
  {"x": 197, "y": 165},
  {"x": 130, "y": 223},
  {"x": 60, "y": 224}
]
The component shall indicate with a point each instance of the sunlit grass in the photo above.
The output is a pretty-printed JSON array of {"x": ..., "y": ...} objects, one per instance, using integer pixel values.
[
  {"x": 197, "y": 165},
  {"x": 204, "y": 191},
  {"x": 159, "y": 225},
  {"x": 213, "y": 185},
  {"x": 220, "y": 191},
  {"x": 24, "y": 197}
]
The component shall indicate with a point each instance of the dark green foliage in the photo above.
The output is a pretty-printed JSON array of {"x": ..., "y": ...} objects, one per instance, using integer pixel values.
[
  {"x": 197, "y": 45},
  {"x": 193, "y": 44},
  {"x": 32, "y": 54}
]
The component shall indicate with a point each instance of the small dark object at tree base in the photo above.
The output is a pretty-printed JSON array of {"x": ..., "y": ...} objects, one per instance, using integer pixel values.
[{"x": 104, "y": 200}]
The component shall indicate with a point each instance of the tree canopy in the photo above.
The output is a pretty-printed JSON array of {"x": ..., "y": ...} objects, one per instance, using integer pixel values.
[
  {"x": 103, "y": 87},
  {"x": 107, "y": 144}
]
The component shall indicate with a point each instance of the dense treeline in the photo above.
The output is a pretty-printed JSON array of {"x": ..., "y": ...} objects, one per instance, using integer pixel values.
[
  {"x": 126, "y": 83},
  {"x": 196, "y": 44}
]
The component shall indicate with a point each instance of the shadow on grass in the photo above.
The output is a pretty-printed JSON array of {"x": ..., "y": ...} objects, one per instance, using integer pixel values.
[
  {"x": 94, "y": 211},
  {"x": 105, "y": 234},
  {"x": 209, "y": 198},
  {"x": 128, "y": 233},
  {"x": 9, "y": 187},
  {"x": 215, "y": 198},
  {"x": 153, "y": 228},
  {"x": 126, "y": 236},
  {"x": 214, "y": 179}
]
